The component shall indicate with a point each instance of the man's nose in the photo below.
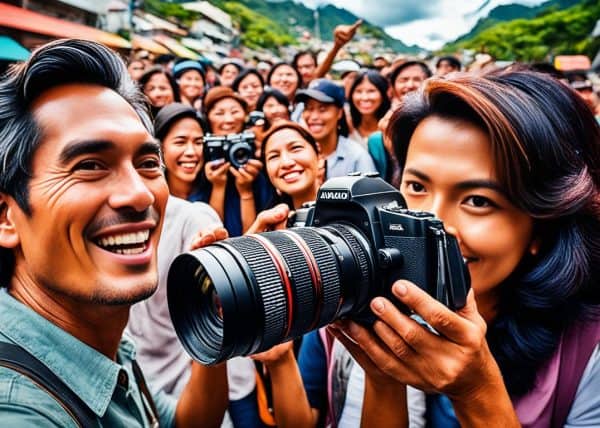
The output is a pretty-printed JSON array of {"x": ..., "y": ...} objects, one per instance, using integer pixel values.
[{"x": 131, "y": 191}]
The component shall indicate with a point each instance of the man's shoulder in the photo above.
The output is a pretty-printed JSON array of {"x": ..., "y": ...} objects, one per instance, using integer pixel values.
[{"x": 24, "y": 403}]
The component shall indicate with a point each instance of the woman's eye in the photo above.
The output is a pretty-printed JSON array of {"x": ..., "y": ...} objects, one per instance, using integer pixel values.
[
  {"x": 479, "y": 202},
  {"x": 415, "y": 187}
]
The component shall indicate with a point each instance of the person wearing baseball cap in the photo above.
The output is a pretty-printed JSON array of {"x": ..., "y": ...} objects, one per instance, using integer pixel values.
[
  {"x": 190, "y": 78},
  {"x": 325, "y": 120}
]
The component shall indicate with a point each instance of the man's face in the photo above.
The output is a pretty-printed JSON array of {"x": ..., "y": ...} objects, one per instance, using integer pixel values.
[{"x": 97, "y": 198}]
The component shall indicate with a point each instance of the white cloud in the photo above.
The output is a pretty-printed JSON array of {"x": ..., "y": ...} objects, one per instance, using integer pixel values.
[{"x": 427, "y": 23}]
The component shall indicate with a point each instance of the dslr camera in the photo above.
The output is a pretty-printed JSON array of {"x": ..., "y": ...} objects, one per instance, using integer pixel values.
[
  {"x": 244, "y": 295},
  {"x": 235, "y": 148}
]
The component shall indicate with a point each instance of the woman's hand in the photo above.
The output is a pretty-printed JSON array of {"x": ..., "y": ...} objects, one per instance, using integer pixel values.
[
  {"x": 216, "y": 172},
  {"x": 208, "y": 236},
  {"x": 456, "y": 362},
  {"x": 245, "y": 176},
  {"x": 271, "y": 219}
]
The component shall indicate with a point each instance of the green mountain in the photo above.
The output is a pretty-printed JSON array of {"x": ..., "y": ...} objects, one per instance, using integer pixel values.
[
  {"x": 509, "y": 12},
  {"x": 294, "y": 17},
  {"x": 551, "y": 32}
]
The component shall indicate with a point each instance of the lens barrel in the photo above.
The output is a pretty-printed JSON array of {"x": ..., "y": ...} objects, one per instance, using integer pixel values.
[{"x": 244, "y": 295}]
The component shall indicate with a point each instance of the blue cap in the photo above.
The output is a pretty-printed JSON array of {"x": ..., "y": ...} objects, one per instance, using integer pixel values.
[
  {"x": 183, "y": 66},
  {"x": 323, "y": 90}
]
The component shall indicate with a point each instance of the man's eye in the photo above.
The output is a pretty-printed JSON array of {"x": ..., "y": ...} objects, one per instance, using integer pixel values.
[
  {"x": 89, "y": 165},
  {"x": 150, "y": 164}
]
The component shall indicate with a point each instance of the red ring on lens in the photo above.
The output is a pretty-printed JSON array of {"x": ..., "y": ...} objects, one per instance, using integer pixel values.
[
  {"x": 315, "y": 274},
  {"x": 283, "y": 274}
]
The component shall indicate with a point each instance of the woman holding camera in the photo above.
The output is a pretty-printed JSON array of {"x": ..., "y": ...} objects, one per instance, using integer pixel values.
[
  {"x": 237, "y": 193},
  {"x": 517, "y": 184}
]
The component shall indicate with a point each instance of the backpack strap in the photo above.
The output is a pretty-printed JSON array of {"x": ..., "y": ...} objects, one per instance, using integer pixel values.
[
  {"x": 18, "y": 359},
  {"x": 327, "y": 340},
  {"x": 579, "y": 343}
]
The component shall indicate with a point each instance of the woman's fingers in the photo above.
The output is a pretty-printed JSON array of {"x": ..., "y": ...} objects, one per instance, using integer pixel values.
[{"x": 449, "y": 324}]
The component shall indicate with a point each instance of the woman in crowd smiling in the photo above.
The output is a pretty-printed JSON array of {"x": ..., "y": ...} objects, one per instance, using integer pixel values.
[
  {"x": 159, "y": 87},
  {"x": 286, "y": 79},
  {"x": 190, "y": 80},
  {"x": 249, "y": 84},
  {"x": 292, "y": 163},
  {"x": 511, "y": 163},
  {"x": 369, "y": 102}
]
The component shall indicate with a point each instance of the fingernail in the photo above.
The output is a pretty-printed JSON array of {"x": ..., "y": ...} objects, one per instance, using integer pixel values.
[
  {"x": 377, "y": 306},
  {"x": 400, "y": 288}
]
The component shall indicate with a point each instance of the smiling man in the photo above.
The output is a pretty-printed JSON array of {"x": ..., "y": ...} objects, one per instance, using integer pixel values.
[{"x": 82, "y": 201}]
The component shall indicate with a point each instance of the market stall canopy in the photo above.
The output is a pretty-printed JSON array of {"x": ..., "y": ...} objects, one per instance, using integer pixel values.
[
  {"x": 33, "y": 22},
  {"x": 176, "y": 47},
  {"x": 572, "y": 62},
  {"x": 10, "y": 50},
  {"x": 141, "y": 42}
]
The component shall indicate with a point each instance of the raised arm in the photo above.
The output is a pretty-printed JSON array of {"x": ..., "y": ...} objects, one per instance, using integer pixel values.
[{"x": 341, "y": 35}]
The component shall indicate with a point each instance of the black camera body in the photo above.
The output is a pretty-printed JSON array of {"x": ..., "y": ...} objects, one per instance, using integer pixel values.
[
  {"x": 410, "y": 245},
  {"x": 256, "y": 118},
  {"x": 237, "y": 149},
  {"x": 246, "y": 294}
]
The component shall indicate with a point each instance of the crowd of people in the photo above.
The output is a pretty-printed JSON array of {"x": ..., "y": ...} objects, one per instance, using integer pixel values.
[{"x": 100, "y": 159}]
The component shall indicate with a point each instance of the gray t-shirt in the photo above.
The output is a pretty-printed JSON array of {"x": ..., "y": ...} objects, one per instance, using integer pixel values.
[
  {"x": 160, "y": 355},
  {"x": 349, "y": 156},
  {"x": 585, "y": 411}
]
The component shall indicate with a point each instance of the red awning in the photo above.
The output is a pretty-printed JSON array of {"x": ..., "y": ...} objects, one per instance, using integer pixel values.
[{"x": 33, "y": 22}]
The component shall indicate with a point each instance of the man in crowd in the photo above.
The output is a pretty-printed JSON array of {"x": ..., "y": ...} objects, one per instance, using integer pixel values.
[{"x": 82, "y": 202}]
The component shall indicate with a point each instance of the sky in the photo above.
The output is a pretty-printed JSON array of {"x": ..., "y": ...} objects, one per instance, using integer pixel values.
[{"x": 427, "y": 23}]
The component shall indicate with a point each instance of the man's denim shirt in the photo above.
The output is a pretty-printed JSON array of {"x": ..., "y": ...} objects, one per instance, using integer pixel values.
[{"x": 107, "y": 387}]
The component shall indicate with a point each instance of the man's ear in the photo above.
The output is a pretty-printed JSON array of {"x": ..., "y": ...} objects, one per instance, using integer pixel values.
[{"x": 9, "y": 238}]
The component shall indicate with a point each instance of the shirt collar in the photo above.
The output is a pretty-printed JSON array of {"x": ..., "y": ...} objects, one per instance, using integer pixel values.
[
  {"x": 90, "y": 374},
  {"x": 340, "y": 149}
]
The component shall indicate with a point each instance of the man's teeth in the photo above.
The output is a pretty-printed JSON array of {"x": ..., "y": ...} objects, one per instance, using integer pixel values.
[{"x": 132, "y": 238}]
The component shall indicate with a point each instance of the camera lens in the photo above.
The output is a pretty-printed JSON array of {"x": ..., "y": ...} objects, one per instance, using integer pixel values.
[
  {"x": 244, "y": 295},
  {"x": 240, "y": 154}
]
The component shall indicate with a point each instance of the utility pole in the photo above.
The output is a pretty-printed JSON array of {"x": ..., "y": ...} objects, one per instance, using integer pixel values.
[{"x": 317, "y": 26}]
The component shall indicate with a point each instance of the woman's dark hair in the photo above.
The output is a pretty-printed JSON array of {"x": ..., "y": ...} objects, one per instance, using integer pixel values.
[
  {"x": 281, "y": 64},
  {"x": 238, "y": 80},
  {"x": 56, "y": 63},
  {"x": 382, "y": 85},
  {"x": 396, "y": 71},
  {"x": 546, "y": 148},
  {"x": 157, "y": 69}
]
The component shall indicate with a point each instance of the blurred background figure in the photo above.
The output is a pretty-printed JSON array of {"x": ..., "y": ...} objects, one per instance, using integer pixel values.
[
  {"x": 250, "y": 85},
  {"x": 159, "y": 87},
  {"x": 407, "y": 77},
  {"x": 274, "y": 105},
  {"x": 229, "y": 70},
  {"x": 190, "y": 79},
  {"x": 447, "y": 64},
  {"x": 306, "y": 64}
]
